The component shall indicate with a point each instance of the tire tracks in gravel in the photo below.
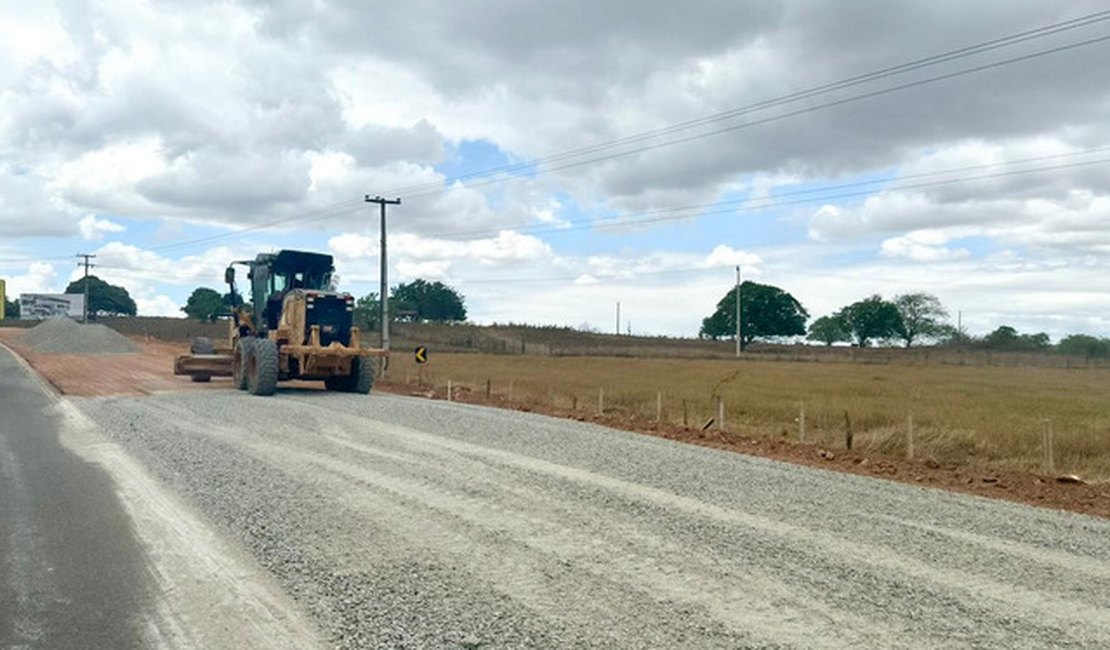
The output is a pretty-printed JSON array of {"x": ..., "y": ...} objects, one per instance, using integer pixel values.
[
  {"x": 496, "y": 511},
  {"x": 1020, "y": 602}
]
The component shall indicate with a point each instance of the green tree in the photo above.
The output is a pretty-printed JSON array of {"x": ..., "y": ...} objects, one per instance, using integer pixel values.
[
  {"x": 368, "y": 312},
  {"x": 829, "y": 330},
  {"x": 765, "y": 311},
  {"x": 11, "y": 309},
  {"x": 922, "y": 317},
  {"x": 104, "y": 299},
  {"x": 232, "y": 299},
  {"x": 421, "y": 300},
  {"x": 872, "y": 319},
  {"x": 204, "y": 304},
  {"x": 1007, "y": 338},
  {"x": 948, "y": 334},
  {"x": 1003, "y": 338},
  {"x": 1084, "y": 345}
]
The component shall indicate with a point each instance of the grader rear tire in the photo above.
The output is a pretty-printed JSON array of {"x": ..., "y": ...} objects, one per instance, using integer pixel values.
[
  {"x": 262, "y": 368},
  {"x": 239, "y": 362},
  {"x": 202, "y": 345},
  {"x": 360, "y": 381}
]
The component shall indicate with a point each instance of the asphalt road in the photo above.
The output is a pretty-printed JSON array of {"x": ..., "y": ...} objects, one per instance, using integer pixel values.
[
  {"x": 95, "y": 553},
  {"x": 401, "y": 522},
  {"x": 72, "y": 573}
]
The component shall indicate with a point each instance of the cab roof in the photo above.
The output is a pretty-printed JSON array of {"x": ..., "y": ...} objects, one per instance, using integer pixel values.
[{"x": 300, "y": 261}]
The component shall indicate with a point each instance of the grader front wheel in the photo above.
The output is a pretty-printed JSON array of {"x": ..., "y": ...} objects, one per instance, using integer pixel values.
[{"x": 262, "y": 367}]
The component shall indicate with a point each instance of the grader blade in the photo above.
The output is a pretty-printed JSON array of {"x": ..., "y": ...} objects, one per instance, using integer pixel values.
[{"x": 202, "y": 367}]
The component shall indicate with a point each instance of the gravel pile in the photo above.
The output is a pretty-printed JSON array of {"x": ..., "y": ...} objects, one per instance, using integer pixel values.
[{"x": 65, "y": 336}]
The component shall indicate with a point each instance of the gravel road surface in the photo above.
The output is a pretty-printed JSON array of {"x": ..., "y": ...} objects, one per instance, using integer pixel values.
[{"x": 403, "y": 522}]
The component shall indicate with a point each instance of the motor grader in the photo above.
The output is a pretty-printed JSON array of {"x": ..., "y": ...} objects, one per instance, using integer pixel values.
[{"x": 295, "y": 326}]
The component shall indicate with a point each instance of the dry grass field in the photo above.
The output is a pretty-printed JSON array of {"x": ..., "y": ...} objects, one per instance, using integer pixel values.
[{"x": 987, "y": 416}]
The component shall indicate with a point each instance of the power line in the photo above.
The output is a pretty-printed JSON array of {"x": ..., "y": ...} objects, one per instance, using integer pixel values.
[
  {"x": 909, "y": 66},
  {"x": 623, "y": 219},
  {"x": 794, "y": 113},
  {"x": 335, "y": 210},
  {"x": 916, "y": 186},
  {"x": 809, "y": 196},
  {"x": 745, "y": 125},
  {"x": 87, "y": 265}
]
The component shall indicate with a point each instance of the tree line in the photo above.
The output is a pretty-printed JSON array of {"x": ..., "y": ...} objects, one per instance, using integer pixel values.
[
  {"x": 767, "y": 313},
  {"x": 770, "y": 313},
  {"x": 416, "y": 301}
]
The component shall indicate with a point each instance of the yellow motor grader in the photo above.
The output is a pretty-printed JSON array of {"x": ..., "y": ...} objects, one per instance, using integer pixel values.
[{"x": 296, "y": 326}]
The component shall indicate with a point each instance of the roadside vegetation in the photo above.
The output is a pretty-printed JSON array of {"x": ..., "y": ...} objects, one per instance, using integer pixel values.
[{"x": 987, "y": 416}]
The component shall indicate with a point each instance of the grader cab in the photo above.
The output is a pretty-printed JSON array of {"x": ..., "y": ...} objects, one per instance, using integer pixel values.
[{"x": 295, "y": 326}]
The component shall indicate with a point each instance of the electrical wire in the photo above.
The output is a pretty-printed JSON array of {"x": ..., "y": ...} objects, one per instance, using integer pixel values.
[
  {"x": 624, "y": 219},
  {"x": 909, "y": 66},
  {"x": 789, "y": 114},
  {"x": 350, "y": 205},
  {"x": 774, "y": 118}
]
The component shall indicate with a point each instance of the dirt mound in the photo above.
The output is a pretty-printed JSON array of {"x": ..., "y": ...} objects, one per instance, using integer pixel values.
[{"x": 64, "y": 336}]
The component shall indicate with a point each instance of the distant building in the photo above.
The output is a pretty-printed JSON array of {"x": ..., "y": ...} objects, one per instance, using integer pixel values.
[{"x": 40, "y": 306}]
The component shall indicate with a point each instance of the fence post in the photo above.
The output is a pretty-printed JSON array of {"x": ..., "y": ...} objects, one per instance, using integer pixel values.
[
  {"x": 720, "y": 412},
  {"x": 802, "y": 423},
  {"x": 574, "y": 403},
  {"x": 510, "y": 389},
  {"x": 659, "y": 407},
  {"x": 847, "y": 431},
  {"x": 489, "y": 389},
  {"x": 1047, "y": 443},
  {"x": 601, "y": 401},
  {"x": 685, "y": 414},
  {"x": 909, "y": 437},
  {"x": 448, "y": 390}
]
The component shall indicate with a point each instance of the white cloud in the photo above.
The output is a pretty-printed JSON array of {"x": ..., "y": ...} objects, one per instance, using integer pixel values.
[
  {"x": 429, "y": 269},
  {"x": 908, "y": 247},
  {"x": 159, "y": 305},
  {"x": 723, "y": 255},
  {"x": 39, "y": 277},
  {"x": 93, "y": 228},
  {"x": 351, "y": 246}
]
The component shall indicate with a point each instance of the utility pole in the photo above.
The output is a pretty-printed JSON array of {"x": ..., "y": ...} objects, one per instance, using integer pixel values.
[
  {"x": 618, "y": 330},
  {"x": 87, "y": 265},
  {"x": 383, "y": 296},
  {"x": 738, "y": 311}
]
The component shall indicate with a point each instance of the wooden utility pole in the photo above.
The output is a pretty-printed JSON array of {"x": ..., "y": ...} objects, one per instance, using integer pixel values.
[
  {"x": 87, "y": 265},
  {"x": 738, "y": 311},
  {"x": 383, "y": 296}
]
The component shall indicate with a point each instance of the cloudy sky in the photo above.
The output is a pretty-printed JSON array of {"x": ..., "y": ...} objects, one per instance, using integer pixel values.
[{"x": 556, "y": 157}]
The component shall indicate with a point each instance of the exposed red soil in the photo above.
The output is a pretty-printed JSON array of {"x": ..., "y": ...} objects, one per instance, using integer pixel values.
[
  {"x": 151, "y": 371},
  {"x": 148, "y": 371}
]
